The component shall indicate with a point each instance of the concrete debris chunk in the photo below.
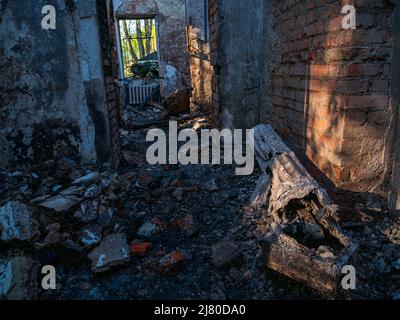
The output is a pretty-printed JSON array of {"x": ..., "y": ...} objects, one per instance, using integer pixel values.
[
  {"x": 17, "y": 222},
  {"x": 87, "y": 211},
  {"x": 19, "y": 279},
  {"x": 106, "y": 217},
  {"x": 87, "y": 179},
  {"x": 147, "y": 230},
  {"x": 61, "y": 204},
  {"x": 91, "y": 235},
  {"x": 92, "y": 192},
  {"x": 112, "y": 251}
]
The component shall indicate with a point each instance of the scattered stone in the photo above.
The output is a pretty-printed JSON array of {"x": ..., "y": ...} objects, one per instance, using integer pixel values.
[
  {"x": 53, "y": 237},
  {"x": 61, "y": 203},
  {"x": 87, "y": 179},
  {"x": 71, "y": 245},
  {"x": 178, "y": 194},
  {"x": 88, "y": 211},
  {"x": 147, "y": 230},
  {"x": 169, "y": 263},
  {"x": 381, "y": 265},
  {"x": 112, "y": 251},
  {"x": 396, "y": 264},
  {"x": 73, "y": 191},
  {"x": 106, "y": 216},
  {"x": 40, "y": 199},
  {"x": 17, "y": 223},
  {"x": 141, "y": 249},
  {"x": 186, "y": 225},
  {"x": 225, "y": 254},
  {"x": 396, "y": 296},
  {"x": 55, "y": 227},
  {"x": 212, "y": 185},
  {"x": 92, "y": 192},
  {"x": 56, "y": 188},
  {"x": 90, "y": 235},
  {"x": 19, "y": 279}
]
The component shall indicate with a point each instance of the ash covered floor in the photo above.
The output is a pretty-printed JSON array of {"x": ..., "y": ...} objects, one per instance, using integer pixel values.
[{"x": 167, "y": 232}]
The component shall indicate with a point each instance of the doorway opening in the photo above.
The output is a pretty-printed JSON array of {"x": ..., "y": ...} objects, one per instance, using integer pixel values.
[{"x": 139, "y": 48}]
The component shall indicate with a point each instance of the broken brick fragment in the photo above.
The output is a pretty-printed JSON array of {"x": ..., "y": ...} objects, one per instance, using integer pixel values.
[
  {"x": 186, "y": 225},
  {"x": 169, "y": 263},
  {"x": 141, "y": 249}
]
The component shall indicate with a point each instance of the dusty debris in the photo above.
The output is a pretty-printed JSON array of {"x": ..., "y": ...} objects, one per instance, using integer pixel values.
[
  {"x": 147, "y": 230},
  {"x": 92, "y": 191},
  {"x": 178, "y": 102},
  {"x": 18, "y": 281},
  {"x": 112, "y": 251},
  {"x": 87, "y": 179},
  {"x": 141, "y": 248},
  {"x": 17, "y": 222},
  {"x": 61, "y": 203},
  {"x": 225, "y": 253},
  {"x": 169, "y": 263},
  {"x": 88, "y": 211},
  {"x": 212, "y": 185},
  {"x": 91, "y": 235},
  {"x": 106, "y": 216},
  {"x": 53, "y": 236},
  {"x": 186, "y": 225},
  {"x": 304, "y": 219}
]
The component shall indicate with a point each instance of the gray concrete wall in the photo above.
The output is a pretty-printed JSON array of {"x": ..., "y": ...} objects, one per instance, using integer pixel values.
[
  {"x": 46, "y": 108},
  {"x": 240, "y": 53},
  {"x": 171, "y": 27}
]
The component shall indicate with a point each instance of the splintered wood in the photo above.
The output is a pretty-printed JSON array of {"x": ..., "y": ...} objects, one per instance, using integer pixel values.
[{"x": 304, "y": 243}]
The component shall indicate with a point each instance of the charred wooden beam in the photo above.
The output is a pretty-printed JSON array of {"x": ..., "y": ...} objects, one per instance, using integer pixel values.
[{"x": 305, "y": 242}]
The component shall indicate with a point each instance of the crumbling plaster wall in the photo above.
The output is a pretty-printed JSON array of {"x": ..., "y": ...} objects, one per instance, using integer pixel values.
[
  {"x": 172, "y": 41},
  {"x": 238, "y": 65},
  {"x": 45, "y": 110}
]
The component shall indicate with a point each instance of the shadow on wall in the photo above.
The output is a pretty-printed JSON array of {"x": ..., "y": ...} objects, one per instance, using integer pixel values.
[
  {"x": 331, "y": 87},
  {"x": 201, "y": 70}
]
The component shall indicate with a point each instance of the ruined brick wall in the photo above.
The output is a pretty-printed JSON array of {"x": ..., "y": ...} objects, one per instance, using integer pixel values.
[
  {"x": 330, "y": 87},
  {"x": 199, "y": 52},
  {"x": 110, "y": 69},
  {"x": 213, "y": 20},
  {"x": 170, "y": 18}
]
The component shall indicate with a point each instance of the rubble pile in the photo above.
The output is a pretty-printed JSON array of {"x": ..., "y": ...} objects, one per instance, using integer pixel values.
[{"x": 172, "y": 231}]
